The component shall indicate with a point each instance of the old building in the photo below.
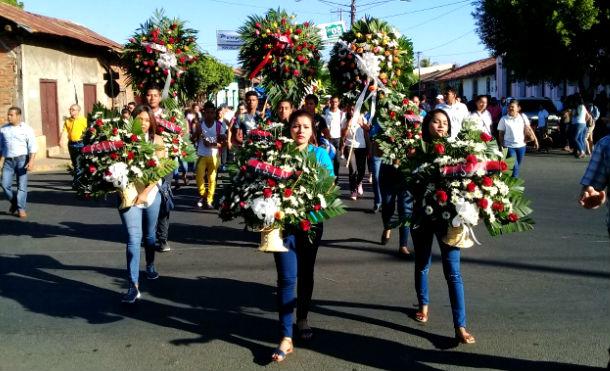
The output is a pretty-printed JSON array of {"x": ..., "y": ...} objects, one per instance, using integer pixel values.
[{"x": 48, "y": 64}]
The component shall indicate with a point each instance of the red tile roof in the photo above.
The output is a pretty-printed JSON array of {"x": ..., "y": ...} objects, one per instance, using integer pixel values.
[
  {"x": 36, "y": 23},
  {"x": 471, "y": 69}
]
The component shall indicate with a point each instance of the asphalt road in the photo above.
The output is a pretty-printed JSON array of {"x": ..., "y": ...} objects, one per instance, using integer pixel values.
[{"x": 535, "y": 301}]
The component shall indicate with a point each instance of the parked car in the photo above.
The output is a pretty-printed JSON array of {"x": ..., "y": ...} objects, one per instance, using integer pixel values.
[{"x": 530, "y": 108}]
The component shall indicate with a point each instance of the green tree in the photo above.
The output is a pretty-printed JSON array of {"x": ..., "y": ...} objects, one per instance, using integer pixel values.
[
  {"x": 18, "y": 4},
  {"x": 425, "y": 62},
  {"x": 206, "y": 76},
  {"x": 549, "y": 40}
]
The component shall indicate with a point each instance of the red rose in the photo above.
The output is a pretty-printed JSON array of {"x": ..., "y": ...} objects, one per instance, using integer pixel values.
[
  {"x": 114, "y": 156},
  {"x": 503, "y": 166},
  {"x": 487, "y": 181},
  {"x": 486, "y": 137},
  {"x": 130, "y": 155},
  {"x": 406, "y": 101},
  {"x": 305, "y": 225},
  {"x": 317, "y": 207},
  {"x": 439, "y": 149},
  {"x": 392, "y": 114},
  {"x": 497, "y": 206},
  {"x": 409, "y": 135},
  {"x": 258, "y": 154},
  {"x": 151, "y": 163},
  {"x": 134, "y": 138},
  {"x": 184, "y": 154},
  {"x": 175, "y": 150},
  {"x": 242, "y": 204},
  {"x": 283, "y": 20},
  {"x": 441, "y": 196},
  {"x": 267, "y": 192},
  {"x": 483, "y": 203},
  {"x": 306, "y": 24},
  {"x": 175, "y": 140},
  {"x": 131, "y": 40},
  {"x": 471, "y": 159},
  {"x": 92, "y": 130},
  {"x": 172, "y": 119},
  {"x": 92, "y": 169},
  {"x": 392, "y": 139},
  {"x": 257, "y": 25},
  {"x": 270, "y": 182},
  {"x": 296, "y": 72},
  {"x": 287, "y": 192},
  {"x": 278, "y": 144},
  {"x": 410, "y": 112},
  {"x": 471, "y": 187},
  {"x": 115, "y": 131},
  {"x": 513, "y": 217}
]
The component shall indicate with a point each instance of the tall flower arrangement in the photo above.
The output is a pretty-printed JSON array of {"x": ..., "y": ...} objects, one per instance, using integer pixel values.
[
  {"x": 116, "y": 155},
  {"x": 273, "y": 185},
  {"x": 158, "y": 54},
  {"x": 172, "y": 126},
  {"x": 284, "y": 53}
]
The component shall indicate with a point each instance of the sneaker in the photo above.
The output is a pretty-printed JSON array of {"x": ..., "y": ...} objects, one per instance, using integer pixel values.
[
  {"x": 200, "y": 202},
  {"x": 209, "y": 205},
  {"x": 163, "y": 247},
  {"x": 132, "y": 295},
  {"x": 371, "y": 178},
  {"x": 360, "y": 190},
  {"x": 151, "y": 272},
  {"x": 354, "y": 195}
]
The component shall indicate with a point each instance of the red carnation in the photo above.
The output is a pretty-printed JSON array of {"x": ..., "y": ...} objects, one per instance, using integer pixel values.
[
  {"x": 513, "y": 217},
  {"x": 283, "y": 20},
  {"x": 287, "y": 192},
  {"x": 242, "y": 204},
  {"x": 486, "y": 137},
  {"x": 278, "y": 144},
  {"x": 483, "y": 203},
  {"x": 392, "y": 140},
  {"x": 270, "y": 182},
  {"x": 114, "y": 156},
  {"x": 439, "y": 149},
  {"x": 172, "y": 119},
  {"x": 92, "y": 130},
  {"x": 175, "y": 140},
  {"x": 131, "y": 40},
  {"x": 487, "y": 181},
  {"x": 184, "y": 154},
  {"x": 405, "y": 101},
  {"x": 298, "y": 31},
  {"x": 92, "y": 169},
  {"x": 296, "y": 72},
  {"x": 409, "y": 135},
  {"x": 130, "y": 155},
  {"x": 175, "y": 150},
  {"x": 441, "y": 196},
  {"x": 115, "y": 131},
  {"x": 257, "y": 25},
  {"x": 305, "y": 225},
  {"x": 497, "y": 206},
  {"x": 134, "y": 138},
  {"x": 317, "y": 207},
  {"x": 99, "y": 122},
  {"x": 392, "y": 114},
  {"x": 267, "y": 192},
  {"x": 151, "y": 163},
  {"x": 306, "y": 24},
  {"x": 471, "y": 187},
  {"x": 471, "y": 159}
]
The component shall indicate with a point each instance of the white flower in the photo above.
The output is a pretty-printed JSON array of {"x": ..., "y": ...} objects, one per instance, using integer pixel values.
[
  {"x": 136, "y": 171},
  {"x": 467, "y": 213},
  {"x": 477, "y": 193},
  {"x": 118, "y": 175},
  {"x": 322, "y": 201},
  {"x": 429, "y": 210},
  {"x": 265, "y": 209},
  {"x": 446, "y": 215},
  {"x": 368, "y": 64}
]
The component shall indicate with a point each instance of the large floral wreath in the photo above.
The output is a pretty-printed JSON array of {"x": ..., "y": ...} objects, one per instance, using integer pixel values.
[
  {"x": 158, "y": 55},
  {"x": 284, "y": 53}
]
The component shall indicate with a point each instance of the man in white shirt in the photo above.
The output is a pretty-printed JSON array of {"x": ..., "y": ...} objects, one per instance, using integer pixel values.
[
  {"x": 334, "y": 120},
  {"x": 481, "y": 115},
  {"x": 249, "y": 120},
  {"x": 457, "y": 111}
]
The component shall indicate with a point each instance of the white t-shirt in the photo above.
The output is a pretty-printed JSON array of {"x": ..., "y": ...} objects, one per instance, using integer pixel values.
[
  {"x": 355, "y": 132},
  {"x": 210, "y": 134},
  {"x": 457, "y": 113},
  {"x": 335, "y": 121},
  {"x": 542, "y": 116},
  {"x": 483, "y": 121},
  {"x": 513, "y": 128}
]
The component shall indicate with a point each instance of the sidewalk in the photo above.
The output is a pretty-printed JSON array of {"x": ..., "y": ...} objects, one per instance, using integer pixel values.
[{"x": 57, "y": 163}]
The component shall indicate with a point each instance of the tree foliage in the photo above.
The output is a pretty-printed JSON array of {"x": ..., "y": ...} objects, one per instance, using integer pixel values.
[
  {"x": 549, "y": 40},
  {"x": 207, "y": 76},
  {"x": 18, "y": 4}
]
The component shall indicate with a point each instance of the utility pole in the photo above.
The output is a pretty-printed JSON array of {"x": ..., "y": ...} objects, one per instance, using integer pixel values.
[
  {"x": 353, "y": 12},
  {"x": 340, "y": 11},
  {"x": 418, "y": 75}
]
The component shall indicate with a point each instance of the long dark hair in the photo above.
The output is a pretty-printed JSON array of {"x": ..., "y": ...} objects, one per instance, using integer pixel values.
[
  {"x": 425, "y": 130},
  {"x": 302, "y": 113},
  {"x": 151, "y": 116}
]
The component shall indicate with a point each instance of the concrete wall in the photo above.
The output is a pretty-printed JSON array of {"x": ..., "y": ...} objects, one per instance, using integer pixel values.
[{"x": 482, "y": 88}]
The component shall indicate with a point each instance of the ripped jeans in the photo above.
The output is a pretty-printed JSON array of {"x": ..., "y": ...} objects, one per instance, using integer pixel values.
[{"x": 450, "y": 256}]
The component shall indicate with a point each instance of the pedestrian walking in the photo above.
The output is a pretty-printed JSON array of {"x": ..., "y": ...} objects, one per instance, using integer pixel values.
[
  {"x": 511, "y": 134},
  {"x": 72, "y": 132},
  {"x": 578, "y": 127},
  {"x": 19, "y": 149},
  {"x": 354, "y": 134}
]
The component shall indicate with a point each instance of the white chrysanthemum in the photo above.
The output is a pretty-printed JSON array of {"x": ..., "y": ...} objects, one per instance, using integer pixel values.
[
  {"x": 467, "y": 213},
  {"x": 477, "y": 193},
  {"x": 446, "y": 215},
  {"x": 368, "y": 64},
  {"x": 322, "y": 201},
  {"x": 455, "y": 199},
  {"x": 136, "y": 171},
  {"x": 265, "y": 209},
  {"x": 429, "y": 210},
  {"x": 455, "y": 183}
]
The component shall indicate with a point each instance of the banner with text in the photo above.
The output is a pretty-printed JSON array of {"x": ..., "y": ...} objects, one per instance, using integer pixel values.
[
  {"x": 331, "y": 32},
  {"x": 228, "y": 40}
]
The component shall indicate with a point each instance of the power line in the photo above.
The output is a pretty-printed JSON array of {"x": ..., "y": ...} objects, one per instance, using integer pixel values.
[
  {"x": 450, "y": 41},
  {"x": 435, "y": 17},
  {"x": 452, "y": 54},
  {"x": 327, "y": 2},
  {"x": 426, "y": 9}
]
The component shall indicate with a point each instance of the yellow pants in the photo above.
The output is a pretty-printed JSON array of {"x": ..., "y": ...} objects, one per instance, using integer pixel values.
[{"x": 209, "y": 163}]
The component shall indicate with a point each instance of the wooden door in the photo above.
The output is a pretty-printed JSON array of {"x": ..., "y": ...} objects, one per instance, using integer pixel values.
[
  {"x": 49, "y": 111},
  {"x": 90, "y": 91}
]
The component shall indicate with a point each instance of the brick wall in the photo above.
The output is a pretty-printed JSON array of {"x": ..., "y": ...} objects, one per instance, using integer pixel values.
[{"x": 8, "y": 74}]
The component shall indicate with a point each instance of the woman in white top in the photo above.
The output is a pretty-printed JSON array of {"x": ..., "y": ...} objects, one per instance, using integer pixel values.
[
  {"x": 140, "y": 220},
  {"x": 481, "y": 115},
  {"x": 353, "y": 133},
  {"x": 578, "y": 128},
  {"x": 511, "y": 134}
]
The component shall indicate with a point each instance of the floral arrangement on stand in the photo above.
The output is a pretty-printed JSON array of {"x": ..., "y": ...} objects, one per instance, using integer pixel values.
[
  {"x": 461, "y": 181},
  {"x": 158, "y": 54},
  {"x": 116, "y": 158},
  {"x": 171, "y": 125},
  {"x": 276, "y": 187},
  {"x": 373, "y": 57},
  {"x": 284, "y": 53}
]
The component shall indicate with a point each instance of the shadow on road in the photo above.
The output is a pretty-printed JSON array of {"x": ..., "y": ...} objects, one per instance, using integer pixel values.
[{"x": 230, "y": 310}]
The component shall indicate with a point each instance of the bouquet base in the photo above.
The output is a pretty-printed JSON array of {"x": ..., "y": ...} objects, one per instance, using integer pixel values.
[
  {"x": 458, "y": 237},
  {"x": 129, "y": 194},
  {"x": 271, "y": 240}
]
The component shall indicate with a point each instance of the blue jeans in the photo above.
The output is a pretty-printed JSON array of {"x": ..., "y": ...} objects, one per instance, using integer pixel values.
[
  {"x": 578, "y": 135},
  {"x": 391, "y": 194},
  {"x": 16, "y": 166},
  {"x": 299, "y": 263},
  {"x": 140, "y": 223},
  {"x": 518, "y": 153},
  {"x": 450, "y": 256},
  {"x": 74, "y": 148},
  {"x": 376, "y": 162},
  {"x": 183, "y": 167}
]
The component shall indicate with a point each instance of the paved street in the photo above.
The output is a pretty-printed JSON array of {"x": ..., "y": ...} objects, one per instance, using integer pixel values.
[{"x": 535, "y": 301}]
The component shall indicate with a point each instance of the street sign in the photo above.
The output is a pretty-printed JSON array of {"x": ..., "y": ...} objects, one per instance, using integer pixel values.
[
  {"x": 228, "y": 40},
  {"x": 331, "y": 32}
]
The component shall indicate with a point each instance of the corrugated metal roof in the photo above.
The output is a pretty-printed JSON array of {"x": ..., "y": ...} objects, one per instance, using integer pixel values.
[
  {"x": 36, "y": 23},
  {"x": 471, "y": 69}
]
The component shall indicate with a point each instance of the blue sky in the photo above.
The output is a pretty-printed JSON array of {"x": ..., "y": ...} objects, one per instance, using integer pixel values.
[{"x": 442, "y": 30}]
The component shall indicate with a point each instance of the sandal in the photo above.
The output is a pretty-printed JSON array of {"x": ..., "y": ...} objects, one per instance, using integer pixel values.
[
  {"x": 464, "y": 338},
  {"x": 421, "y": 317},
  {"x": 280, "y": 355}
]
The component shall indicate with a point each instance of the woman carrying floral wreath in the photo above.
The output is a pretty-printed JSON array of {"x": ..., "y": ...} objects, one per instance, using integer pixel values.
[
  {"x": 298, "y": 262},
  {"x": 436, "y": 126},
  {"x": 140, "y": 220}
]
